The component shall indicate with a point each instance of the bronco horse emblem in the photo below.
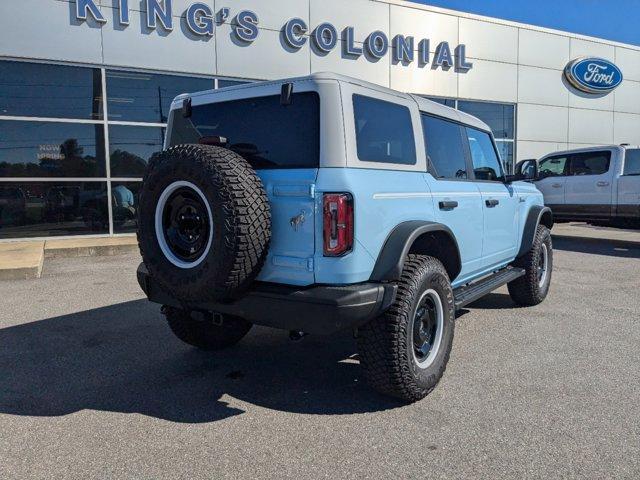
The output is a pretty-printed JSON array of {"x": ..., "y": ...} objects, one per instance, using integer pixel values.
[{"x": 298, "y": 220}]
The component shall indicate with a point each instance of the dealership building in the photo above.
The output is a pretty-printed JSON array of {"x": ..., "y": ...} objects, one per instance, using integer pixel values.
[{"x": 86, "y": 85}]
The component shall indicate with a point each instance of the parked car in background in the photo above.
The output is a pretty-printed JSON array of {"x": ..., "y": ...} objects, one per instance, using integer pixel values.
[{"x": 597, "y": 184}]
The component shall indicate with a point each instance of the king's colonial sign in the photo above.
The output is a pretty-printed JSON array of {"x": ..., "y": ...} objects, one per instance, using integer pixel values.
[
  {"x": 593, "y": 75},
  {"x": 201, "y": 20}
]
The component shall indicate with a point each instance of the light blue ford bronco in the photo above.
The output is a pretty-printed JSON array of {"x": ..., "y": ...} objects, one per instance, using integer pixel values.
[{"x": 324, "y": 203}]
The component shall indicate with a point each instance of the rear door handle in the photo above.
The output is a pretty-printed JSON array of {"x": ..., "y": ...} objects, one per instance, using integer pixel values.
[
  {"x": 556, "y": 185},
  {"x": 492, "y": 202},
  {"x": 448, "y": 205},
  {"x": 602, "y": 184}
]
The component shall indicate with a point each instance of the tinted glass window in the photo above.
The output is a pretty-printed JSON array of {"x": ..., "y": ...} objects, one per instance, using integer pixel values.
[
  {"x": 48, "y": 149},
  {"x": 48, "y": 209},
  {"x": 124, "y": 204},
  {"x": 384, "y": 131},
  {"x": 590, "y": 163},
  {"x": 499, "y": 117},
  {"x": 632, "y": 162},
  {"x": 131, "y": 148},
  {"x": 38, "y": 90},
  {"x": 265, "y": 133},
  {"x": 486, "y": 165},
  {"x": 553, "y": 167},
  {"x": 142, "y": 97},
  {"x": 445, "y": 150}
]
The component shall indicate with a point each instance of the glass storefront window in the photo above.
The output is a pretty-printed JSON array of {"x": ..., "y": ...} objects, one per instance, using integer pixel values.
[
  {"x": 44, "y": 209},
  {"x": 506, "y": 154},
  {"x": 124, "y": 204},
  {"x": 447, "y": 102},
  {"x": 146, "y": 97},
  {"x": 51, "y": 149},
  {"x": 130, "y": 148},
  {"x": 55, "y": 91},
  {"x": 229, "y": 83},
  {"x": 499, "y": 116}
]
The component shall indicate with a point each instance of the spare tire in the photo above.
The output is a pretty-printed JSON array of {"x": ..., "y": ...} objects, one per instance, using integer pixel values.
[{"x": 204, "y": 222}]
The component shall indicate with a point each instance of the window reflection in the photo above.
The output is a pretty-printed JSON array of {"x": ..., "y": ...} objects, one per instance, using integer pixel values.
[
  {"x": 124, "y": 203},
  {"x": 48, "y": 149},
  {"x": 42, "y": 209},
  {"x": 131, "y": 148},
  {"x": 39, "y": 90},
  {"x": 142, "y": 97}
]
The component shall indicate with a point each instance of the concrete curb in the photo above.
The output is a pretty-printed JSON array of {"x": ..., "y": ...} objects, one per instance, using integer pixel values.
[
  {"x": 24, "y": 260},
  {"x": 60, "y": 250},
  {"x": 21, "y": 261}
]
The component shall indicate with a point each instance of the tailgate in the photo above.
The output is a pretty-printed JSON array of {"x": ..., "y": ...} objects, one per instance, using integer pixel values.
[{"x": 291, "y": 195}]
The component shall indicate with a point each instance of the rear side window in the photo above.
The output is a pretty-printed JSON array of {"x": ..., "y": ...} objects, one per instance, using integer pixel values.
[
  {"x": 486, "y": 164},
  {"x": 632, "y": 162},
  {"x": 445, "y": 148},
  {"x": 553, "y": 167},
  {"x": 589, "y": 163},
  {"x": 265, "y": 133},
  {"x": 384, "y": 131}
]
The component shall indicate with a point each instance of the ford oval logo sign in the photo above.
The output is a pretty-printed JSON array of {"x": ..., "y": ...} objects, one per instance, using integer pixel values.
[{"x": 593, "y": 75}]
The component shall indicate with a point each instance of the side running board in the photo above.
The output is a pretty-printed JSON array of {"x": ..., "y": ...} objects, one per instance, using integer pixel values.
[{"x": 471, "y": 292}]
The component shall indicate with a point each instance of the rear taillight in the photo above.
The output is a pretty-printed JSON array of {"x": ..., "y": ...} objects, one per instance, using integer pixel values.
[{"x": 338, "y": 224}]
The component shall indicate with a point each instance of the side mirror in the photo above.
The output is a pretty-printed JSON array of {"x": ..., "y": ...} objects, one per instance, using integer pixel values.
[{"x": 526, "y": 170}]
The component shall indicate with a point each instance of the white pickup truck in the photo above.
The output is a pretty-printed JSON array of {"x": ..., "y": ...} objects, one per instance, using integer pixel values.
[{"x": 597, "y": 184}]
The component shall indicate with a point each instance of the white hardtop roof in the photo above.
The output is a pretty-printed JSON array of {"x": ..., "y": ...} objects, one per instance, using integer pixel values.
[{"x": 424, "y": 105}]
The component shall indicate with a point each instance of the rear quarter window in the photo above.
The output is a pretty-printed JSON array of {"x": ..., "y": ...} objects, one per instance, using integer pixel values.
[
  {"x": 632, "y": 162},
  {"x": 266, "y": 133},
  {"x": 589, "y": 163},
  {"x": 384, "y": 131}
]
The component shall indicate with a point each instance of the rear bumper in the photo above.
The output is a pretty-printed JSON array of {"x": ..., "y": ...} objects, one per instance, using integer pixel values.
[{"x": 317, "y": 309}]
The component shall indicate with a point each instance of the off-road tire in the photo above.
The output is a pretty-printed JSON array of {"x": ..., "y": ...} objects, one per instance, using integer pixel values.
[
  {"x": 526, "y": 290},
  {"x": 241, "y": 221},
  {"x": 386, "y": 345},
  {"x": 202, "y": 331}
]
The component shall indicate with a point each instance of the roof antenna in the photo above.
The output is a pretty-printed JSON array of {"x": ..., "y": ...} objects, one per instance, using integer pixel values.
[{"x": 286, "y": 94}]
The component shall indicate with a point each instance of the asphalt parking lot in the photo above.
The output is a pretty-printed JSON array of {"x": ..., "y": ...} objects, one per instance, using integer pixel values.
[{"x": 93, "y": 384}]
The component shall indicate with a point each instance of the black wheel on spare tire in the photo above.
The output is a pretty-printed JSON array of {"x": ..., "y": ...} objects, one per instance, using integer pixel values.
[
  {"x": 532, "y": 288},
  {"x": 204, "y": 222},
  {"x": 205, "y": 330},
  {"x": 404, "y": 352}
]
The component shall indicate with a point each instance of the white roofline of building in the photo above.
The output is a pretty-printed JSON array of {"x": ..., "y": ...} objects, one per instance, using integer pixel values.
[{"x": 509, "y": 23}]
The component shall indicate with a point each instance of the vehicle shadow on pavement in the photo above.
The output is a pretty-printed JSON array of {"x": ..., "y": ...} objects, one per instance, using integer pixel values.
[
  {"x": 123, "y": 358},
  {"x": 492, "y": 301},
  {"x": 597, "y": 246}
]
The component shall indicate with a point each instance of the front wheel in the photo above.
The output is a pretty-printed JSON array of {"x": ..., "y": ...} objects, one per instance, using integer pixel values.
[
  {"x": 532, "y": 288},
  {"x": 404, "y": 352},
  {"x": 205, "y": 330}
]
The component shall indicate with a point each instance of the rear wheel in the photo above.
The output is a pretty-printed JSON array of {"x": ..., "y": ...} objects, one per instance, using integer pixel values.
[
  {"x": 404, "y": 352},
  {"x": 206, "y": 330},
  {"x": 532, "y": 288}
]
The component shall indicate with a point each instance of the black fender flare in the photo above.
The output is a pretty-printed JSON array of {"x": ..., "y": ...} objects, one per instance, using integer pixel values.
[
  {"x": 534, "y": 217},
  {"x": 390, "y": 262}
]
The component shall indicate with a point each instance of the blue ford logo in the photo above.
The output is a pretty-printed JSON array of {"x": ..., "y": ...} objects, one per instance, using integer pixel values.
[{"x": 593, "y": 75}]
